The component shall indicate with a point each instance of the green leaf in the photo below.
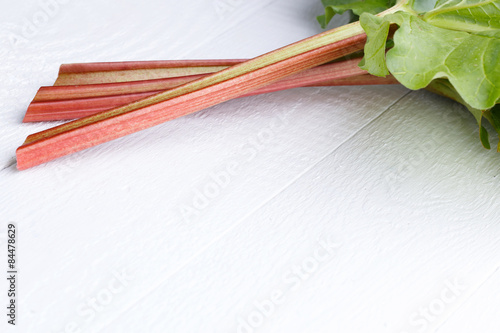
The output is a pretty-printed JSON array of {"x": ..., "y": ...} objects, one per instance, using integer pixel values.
[
  {"x": 423, "y": 52},
  {"x": 358, "y": 7},
  {"x": 445, "y": 88},
  {"x": 484, "y": 137},
  {"x": 377, "y": 31},
  {"x": 469, "y": 15},
  {"x": 452, "y": 49},
  {"x": 493, "y": 117},
  {"x": 458, "y": 64}
]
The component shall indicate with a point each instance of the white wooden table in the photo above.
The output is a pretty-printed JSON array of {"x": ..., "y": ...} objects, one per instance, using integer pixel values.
[{"x": 335, "y": 209}]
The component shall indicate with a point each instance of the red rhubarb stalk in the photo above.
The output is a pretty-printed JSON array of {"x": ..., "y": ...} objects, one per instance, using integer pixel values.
[
  {"x": 112, "y": 72},
  {"x": 191, "y": 97},
  {"x": 72, "y": 102},
  {"x": 129, "y": 85}
]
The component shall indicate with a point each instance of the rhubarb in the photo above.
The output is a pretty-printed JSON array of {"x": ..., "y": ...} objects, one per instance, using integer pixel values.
[
  {"x": 439, "y": 37},
  {"x": 72, "y": 102},
  {"x": 105, "y": 72},
  {"x": 194, "y": 96}
]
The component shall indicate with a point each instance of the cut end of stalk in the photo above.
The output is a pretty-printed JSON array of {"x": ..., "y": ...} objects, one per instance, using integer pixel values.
[{"x": 22, "y": 163}]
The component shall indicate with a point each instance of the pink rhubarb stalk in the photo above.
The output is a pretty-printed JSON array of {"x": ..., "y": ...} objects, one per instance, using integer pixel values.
[
  {"x": 72, "y": 102},
  {"x": 191, "y": 97},
  {"x": 112, "y": 72}
]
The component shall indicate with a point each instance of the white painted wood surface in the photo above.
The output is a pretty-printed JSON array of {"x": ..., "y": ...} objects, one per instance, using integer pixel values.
[{"x": 348, "y": 209}]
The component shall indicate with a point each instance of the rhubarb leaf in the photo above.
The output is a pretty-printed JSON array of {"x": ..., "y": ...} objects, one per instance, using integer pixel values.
[
  {"x": 484, "y": 137},
  {"x": 493, "y": 117},
  {"x": 445, "y": 88},
  {"x": 377, "y": 30},
  {"x": 472, "y": 15},
  {"x": 357, "y": 7},
  {"x": 423, "y": 52},
  {"x": 452, "y": 49}
]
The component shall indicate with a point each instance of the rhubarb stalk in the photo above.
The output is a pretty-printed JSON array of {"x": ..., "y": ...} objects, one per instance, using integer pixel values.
[
  {"x": 105, "y": 72},
  {"x": 72, "y": 102},
  {"x": 191, "y": 97}
]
